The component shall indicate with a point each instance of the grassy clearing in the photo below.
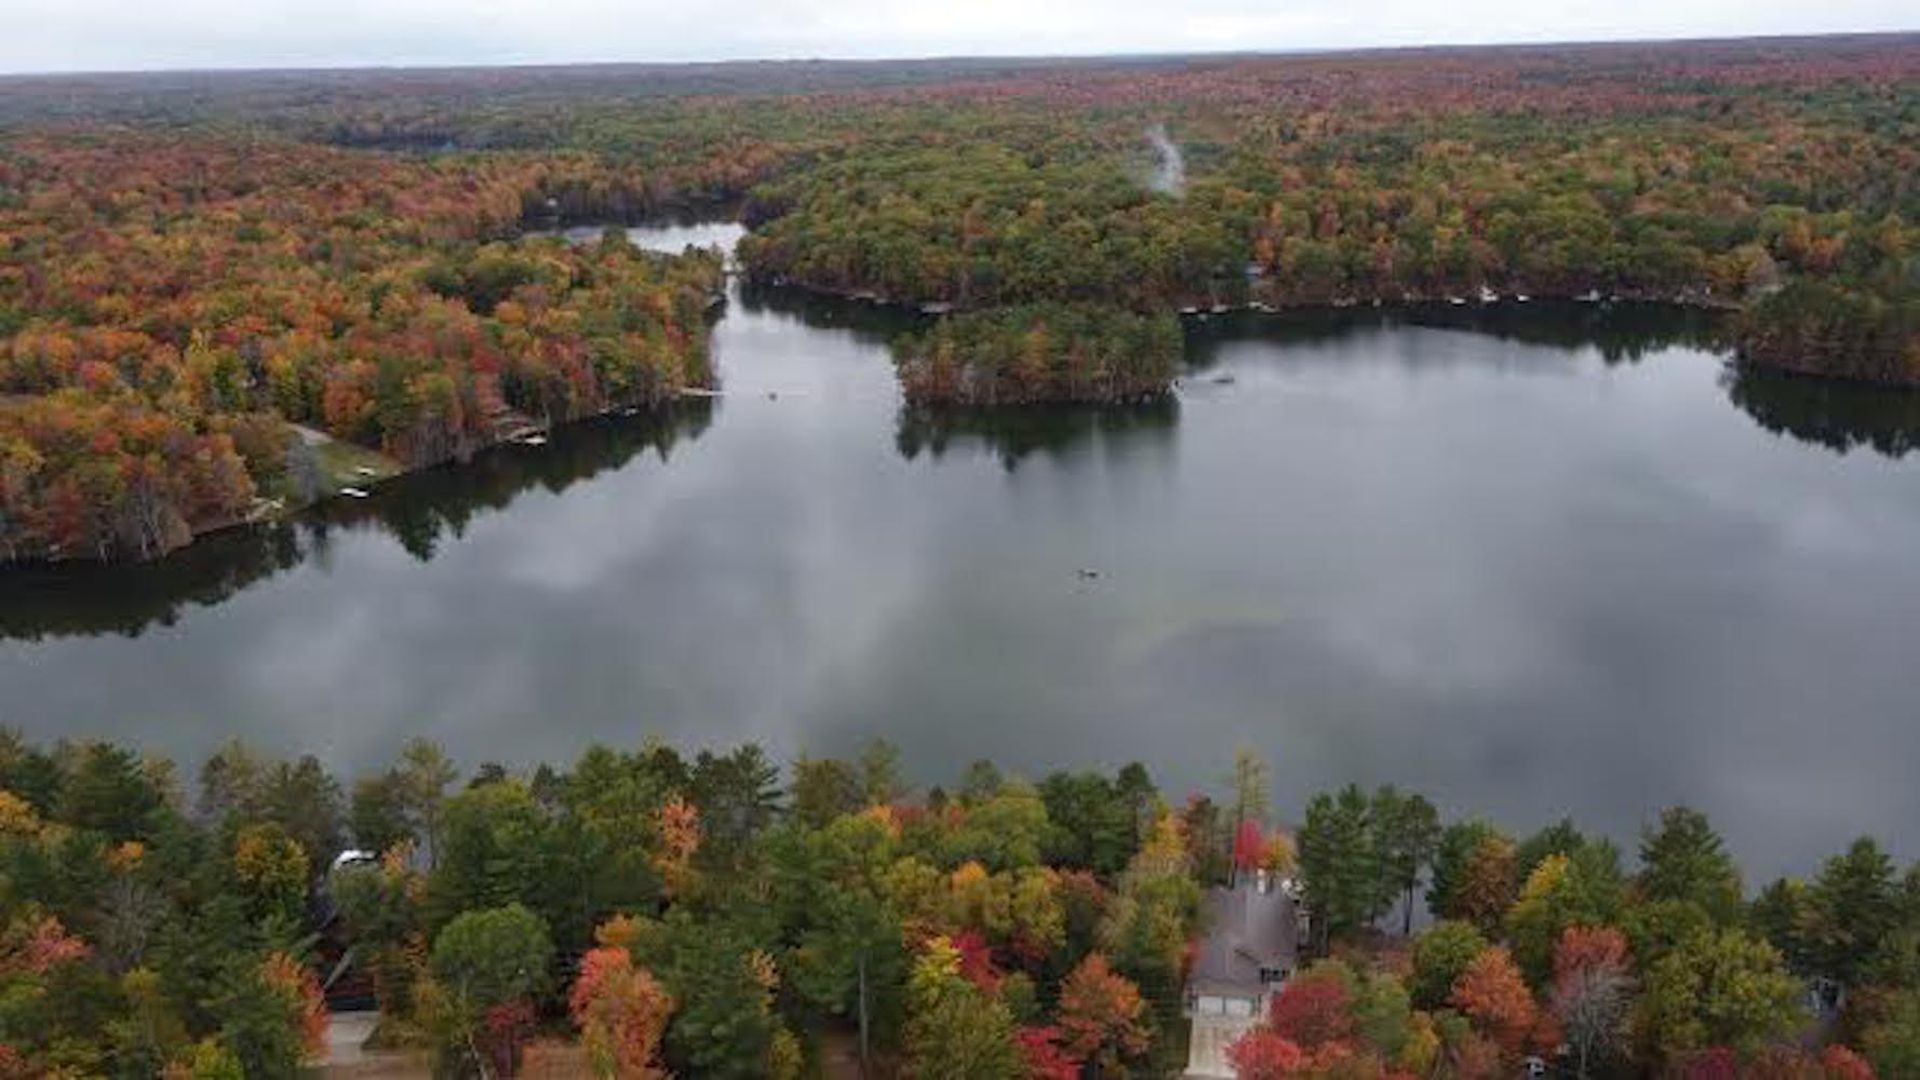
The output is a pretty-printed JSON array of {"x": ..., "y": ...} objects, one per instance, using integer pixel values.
[{"x": 342, "y": 464}]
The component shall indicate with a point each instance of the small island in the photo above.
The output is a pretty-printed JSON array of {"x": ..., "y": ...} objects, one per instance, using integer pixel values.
[{"x": 1040, "y": 353}]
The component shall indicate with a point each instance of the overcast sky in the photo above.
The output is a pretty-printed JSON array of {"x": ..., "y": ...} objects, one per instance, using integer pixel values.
[{"x": 93, "y": 35}]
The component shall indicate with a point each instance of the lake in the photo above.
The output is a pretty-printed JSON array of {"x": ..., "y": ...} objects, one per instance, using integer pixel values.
[{"x": 1532, "y": 560}]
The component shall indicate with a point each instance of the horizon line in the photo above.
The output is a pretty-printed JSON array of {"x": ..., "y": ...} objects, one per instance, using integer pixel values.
[{"x": 428, "y": 66}]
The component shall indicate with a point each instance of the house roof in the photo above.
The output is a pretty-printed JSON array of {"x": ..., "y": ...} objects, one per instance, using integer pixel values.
[{"x": 1247, "y": 929}]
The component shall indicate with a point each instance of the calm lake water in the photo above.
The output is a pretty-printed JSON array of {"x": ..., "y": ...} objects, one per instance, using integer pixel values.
[{"x": 1533, "y": 561}]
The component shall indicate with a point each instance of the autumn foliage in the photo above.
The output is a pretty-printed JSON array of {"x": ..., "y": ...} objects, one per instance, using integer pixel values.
[
  {"x": 169, "y": 307},
  {"x": 1040, "y": 1048},
  {"x": 1102, "y": 1016},
  {"x": 1313, "y": 1010},
  {"x": 183, "y": 276},
  {"x": 1492, "y": 994},
  {"x": 38, "y": 944},
  {"x": 621, "y": 1012},
  {"x": 296, "y": 984}
]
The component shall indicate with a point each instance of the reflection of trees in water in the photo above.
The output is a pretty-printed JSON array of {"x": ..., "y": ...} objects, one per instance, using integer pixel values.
[
  {"x": 1833, "y": 413},
  {"x": 1623, "y": 332},
  {"x": 1012, "y": 434},
  {"x": 419, "y": 510},
  {"x": 437, "y": 503},
  {"x": 870, "y": 322},
  {"x": 125, "y": 598}
]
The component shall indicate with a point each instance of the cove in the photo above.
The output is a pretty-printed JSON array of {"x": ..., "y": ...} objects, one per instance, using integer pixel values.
[{"x": 1531, "y": 560}]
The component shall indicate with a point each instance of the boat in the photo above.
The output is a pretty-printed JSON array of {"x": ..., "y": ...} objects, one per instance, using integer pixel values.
[
  {"x": 355, "y": 493},
  {"x": 1457, "y": 301},
  {"x": 1591, "y": 296},
  {"x": 1488, "y": 296},
  {"x": 1521, "y": 298}
]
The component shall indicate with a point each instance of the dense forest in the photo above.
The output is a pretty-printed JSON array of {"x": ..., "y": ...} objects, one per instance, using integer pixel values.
[
  {"x": 214, "y": 288},
  {"x": 645, "y": 911},
  {"x": 173, "y": 309}
]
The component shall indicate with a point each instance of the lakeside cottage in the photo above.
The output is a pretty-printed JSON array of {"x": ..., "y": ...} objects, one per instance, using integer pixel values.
[{"x": 1251, "y": 947}]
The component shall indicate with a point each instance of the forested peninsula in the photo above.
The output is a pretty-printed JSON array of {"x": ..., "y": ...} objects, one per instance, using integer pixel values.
[
  {"x": 222, "y": 297},
  {"x": 650, "y": 912}
]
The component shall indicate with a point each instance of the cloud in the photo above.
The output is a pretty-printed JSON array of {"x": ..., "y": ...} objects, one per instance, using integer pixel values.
[{"x": 123, "y": 34}]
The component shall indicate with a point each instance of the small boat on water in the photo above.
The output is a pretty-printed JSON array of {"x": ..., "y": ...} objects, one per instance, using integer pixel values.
[
  {"x": 1457, "y": 301},
  {"x": 1521, "y": 298},
  {"x": 532, "y": 440},
  {"x": 1488, "y": 296},
  {"x": 355, "y": 493}
]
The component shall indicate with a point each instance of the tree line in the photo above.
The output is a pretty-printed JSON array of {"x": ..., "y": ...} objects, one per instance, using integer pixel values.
[
  {"x": 712, "y": 914},
  {"x": 1552, "y": 945}
]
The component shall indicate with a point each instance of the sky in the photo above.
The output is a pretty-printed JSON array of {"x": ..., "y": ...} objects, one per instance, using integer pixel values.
[{"x": 113, "y": 35}]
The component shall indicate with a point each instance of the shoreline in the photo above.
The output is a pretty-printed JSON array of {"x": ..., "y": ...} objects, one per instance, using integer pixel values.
[
  {"x": 1190, "y": 317},
  {"x": 271, "y": 512}
]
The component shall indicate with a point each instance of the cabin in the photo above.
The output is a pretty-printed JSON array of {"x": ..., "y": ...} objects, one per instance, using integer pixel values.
[{"x": 1251, "y": 948}]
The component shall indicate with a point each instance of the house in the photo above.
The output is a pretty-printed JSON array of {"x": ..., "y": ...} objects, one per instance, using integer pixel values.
[{"x": 1251, "y": 947}]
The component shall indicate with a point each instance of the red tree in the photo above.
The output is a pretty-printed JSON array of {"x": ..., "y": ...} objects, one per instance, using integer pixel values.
[
  {"x": 1249, "y": 847},
  {"x": 1719, "y": 1063},
  {"x": 976, "y": 960},
  {"x": 1313, "y": 1011},
  {"x": 1840, "y": 1063},
  {"x": 1263, "y": 1055},
  {"x": 1040, "y": 1046},
  {"x": 1583, "y": 949}
]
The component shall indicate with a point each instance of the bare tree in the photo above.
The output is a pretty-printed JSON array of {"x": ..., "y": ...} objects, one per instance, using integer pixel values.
[{"x": 1591, "y": 1004}]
